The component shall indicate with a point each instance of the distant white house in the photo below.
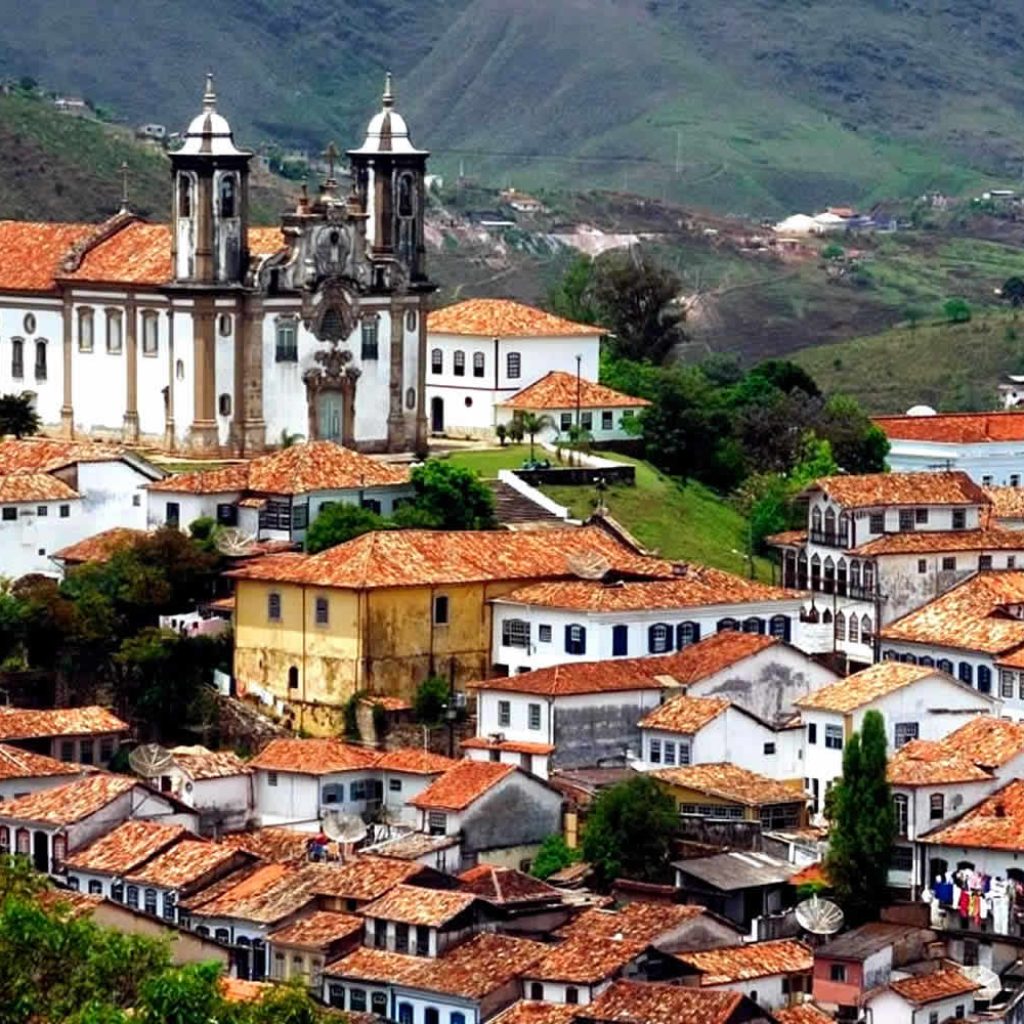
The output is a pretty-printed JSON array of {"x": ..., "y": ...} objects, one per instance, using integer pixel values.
[{"x": 481, "y": 352}]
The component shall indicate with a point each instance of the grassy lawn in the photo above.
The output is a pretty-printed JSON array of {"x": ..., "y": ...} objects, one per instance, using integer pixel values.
[{"x": 487, "y": 461}]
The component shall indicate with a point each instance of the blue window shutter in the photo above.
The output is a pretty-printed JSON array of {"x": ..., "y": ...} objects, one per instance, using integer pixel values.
[
  {"x": 620, "y": 640},
  {"x": 696, "y": 631},
  {"x": 650, "y": 639},
  {"x": 568, "y": 639}
]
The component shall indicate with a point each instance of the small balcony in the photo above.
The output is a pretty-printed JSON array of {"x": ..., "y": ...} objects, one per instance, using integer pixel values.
[{"x": 830, "y": 539}]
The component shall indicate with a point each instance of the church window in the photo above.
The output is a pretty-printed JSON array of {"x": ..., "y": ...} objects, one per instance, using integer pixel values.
[
  {"x": 179, "y": 369},
  {"x": 411, "y": 320},
  {"x": 459, "y": 368},
  {"x": 369, "y": 336},
  {"x": 224, "y": 325},
  {"x": 40, "y": 359},
  {"x": 85, "y": 323},
  {"x": 478, "y": 364},
  {"x": 227, "y": 196},
  {"x": 30, "y": 323},
  {"x": 150, "y": 332},
  {"x": 405, "y": 196},
  {"x": 469, "y": 402},
  {"x": 115, "y": 330},
  {"x": 287, "y": 348},
  {"x": 184, "y": 196},
  {"x": 513, "y": 365},
  {"x": 436, "y": 361},
  {"x": 332, "y": 326},
  {"x": 410, "y": 398},
  {"x": 224, "y": 404}
]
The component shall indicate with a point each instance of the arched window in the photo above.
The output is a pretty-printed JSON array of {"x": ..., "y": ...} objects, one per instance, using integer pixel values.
[
  {"x": 801, "y": 570},
  {"x": 854, "y": 630},
  {"x": 224, "y": 404},
  {"x": 293, "y": 678},
  {"x": 411, "y": 320},
  {"x": 405, "y": 1013},
  {"x": 406, "y": 190},
  {"x": 966, "y": 673},
  {"x": 899, "y": 808},
  {"x": 60, "y": 849},
  {"x": 830, "y": 526},
  {"x": 431, "y": 1015},
  {"x": 844, "y": 529},
  {"x": 869, "y": 577},
  {"x": 830, "y": 575},
  {"x": 150, "y": 332},
  {"x": 826, "y": 616},
  {"x": 659, "y": 638},
  {"x": 224, "y": 325},
  {"x": 179, "y": 370},
  {"x": 459, "y": 363},
  {"x": 687, "y": 633},
  {"x": 816, "y": 520},
  {"x": 854, "y": 574},
  {"x": 436, "y": 361},
  {"x": 816, "y": 573},
  {"x": 478, "y": 364},
  {"x": 908, "y": 659},
  {"x": 184, "y": 196},
  {"x": 572, "y": 995},
  {"x": 890, "y": 655},
  {"x": 115, "y": 331},
  {"x": 228, "y": 199},
  {"x": 17, "y": 358},
  {"x": 40, "y": 359},
  {"x": 927, "y": 660},
  {"x": 866, "y": 634},
  {"x": 841, "y": 577},
  {"x": 840, "y": 626},
  {"x": 945, "y": 665},
  {"x": 274, "y": 606},
  {"x": 368, "y": 336},
  {"x": 728, "y": 625},
  {"x": 85, "y": 329},
  {"x": 753, "y": 625},
  {"x": 779, "y": 627},
  {"x": 133, "y": 896},
  {"x": 984, "y": 679},
  {"x": 5, "y": 839}
]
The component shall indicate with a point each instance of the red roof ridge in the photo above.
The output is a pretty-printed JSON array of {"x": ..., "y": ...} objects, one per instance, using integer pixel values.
[
  {"x": 483, "y": 317},
  {"x": 560, "y": 390}
]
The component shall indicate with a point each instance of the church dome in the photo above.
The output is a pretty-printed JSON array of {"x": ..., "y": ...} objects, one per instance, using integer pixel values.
[
  {"x": 387, "y": 131},
  {"x": 209, "y": 132}
]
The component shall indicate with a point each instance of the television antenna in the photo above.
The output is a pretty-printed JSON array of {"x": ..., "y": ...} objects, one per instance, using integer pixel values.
[
  {"x": 990, "y": 983},
  {"x": 343, "y": 828},
  {"x": 818, "y": 916},
  {"x": 150, "y": 760}
]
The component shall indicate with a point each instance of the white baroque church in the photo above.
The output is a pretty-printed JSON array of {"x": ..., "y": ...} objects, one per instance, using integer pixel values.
[{"x": 209, "y": 335}]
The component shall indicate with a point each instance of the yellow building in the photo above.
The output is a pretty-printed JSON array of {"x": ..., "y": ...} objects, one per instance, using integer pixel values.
[{"x": 383, "y": 612}]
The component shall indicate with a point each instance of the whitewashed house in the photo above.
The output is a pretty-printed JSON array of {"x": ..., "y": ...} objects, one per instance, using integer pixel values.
[
  {"x": 944, "y": 994},
  {"x": 546, "y": 624},
  {"x": 481, "y": 352},
  {"x": 89, "y": 735},
  {"x": 277, "y": 496},
  {"x": 23, "y": 772},
  {"x": 54, "y": 494},
  {"x": 219, "y": 785},
  {"x": 916, "y": 702}
]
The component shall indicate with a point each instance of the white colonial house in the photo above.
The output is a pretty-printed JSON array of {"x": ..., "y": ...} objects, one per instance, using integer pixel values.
[
  {"x": 880, "y": 545},
  {"x": 915, "y": 702},
  {"x": 214, "y": 335},
  {"x": 947, "y": 993},
  {"x": 482, "y": 352},
  {"x": 987, "y": 446},
  {"x": 89, "y": 735},
  {"x": 54, "y": 494},
  {"x": 563, "y": 400},
  {"x": 218, "y": 784},
  {"x": 23, "y": 772},
  {"x": 548, "y": 624},
  {"x": 277, "y": 496}
]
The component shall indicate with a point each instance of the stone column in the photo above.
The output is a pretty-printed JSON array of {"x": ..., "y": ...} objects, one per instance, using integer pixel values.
[
  {"x": 203, "y": 432},
  {"x": 130, "y": 430},
  {"x": 421, "y": 380},
  {"x": 396, "y": 421},
  {"x": 170, "y": 429},
  {"x": 67, "y": 411},
  {"x": 248, "y": 425},
  {"x": 204, "y": 227}
]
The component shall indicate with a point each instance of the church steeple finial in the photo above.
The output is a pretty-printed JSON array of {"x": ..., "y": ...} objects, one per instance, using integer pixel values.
[
  {"x": 389, "y": 96},
  {"x": 209, "y": 96}
]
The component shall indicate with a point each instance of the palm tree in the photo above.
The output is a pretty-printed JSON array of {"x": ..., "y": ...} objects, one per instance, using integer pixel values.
[
  {"x": 532, "y": 425},
  {"x": 18, "y": 415}
]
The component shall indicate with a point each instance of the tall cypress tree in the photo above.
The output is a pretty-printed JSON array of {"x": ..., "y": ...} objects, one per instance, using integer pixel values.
[{"x": 862, "y": 834}]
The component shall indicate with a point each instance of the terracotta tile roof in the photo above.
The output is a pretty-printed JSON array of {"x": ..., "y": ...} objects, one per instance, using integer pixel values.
[
  {"x": 997, "y": 823},
  {"x": 969, "y": 616},
  {"x": 126, "y": 847},
  {"x": 461, "y": 785},
  {"x": 64, "y": 805},
  {"x": 700, "y": 586},
  {"x": 511, "y": 746},
  {"x": 16, "y": 763},
  {"x": 364, "y": 879},
  {"x": 684, "y": 714},
  {"x": 930, "y": 988},
  {"x": 397, "y": 558},
  {"x": 527, "y": 1011},
  {"x": 34, "y": 487},
  {"x": 386, "y": 702},
  {"x": 729, "y": 964},
  {"x": 559, "y": 390},
  {"x": 264, "y": 895},
  {"x": 803, "y": 1013},
  {"x": 31, "y": 251},
  {"x": 265, "y": 241},
  {"x": 471, "y": 969},
  {"x": 932, "y": 763},
  {"x": 186, "y": 863},
  {"x": 598, "y": 942},
  {"x": 875, "y": 490},
  {"x": 270, "y": 843},
  {"x": 238, "y": 990},
  {"x": 415, "y": 761},
  {"x": 410, "y": 846},
  {"x": 730, "y": 782},
  {"x": 413, "y": 905},
  {"x": 200, "y": 763},
  {"x": 639, "y": 1002},
  {"x": 865, "y": 686},
  {"x": 506, "y": 886},
  {"x": 787, "y": 538},
  {"x": 1007, "y": 502},
  {"x": 925, "y": 541},
  {"x": 321, "y": 928},
  {"x": 100, "y": 546},
  {"x": 955, "y": 428},
  {"x": 313, "y": 756},
  {"x": 988, "y": 741},
  {"x": 44, "y": 454},
  {"x": 503, "y": 318},
  {"x": 33, "y": 723},
  {"x": 300, "y": 469}
]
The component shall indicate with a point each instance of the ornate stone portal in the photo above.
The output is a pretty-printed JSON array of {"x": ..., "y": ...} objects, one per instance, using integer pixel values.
[{"x": 330, "y": 396}]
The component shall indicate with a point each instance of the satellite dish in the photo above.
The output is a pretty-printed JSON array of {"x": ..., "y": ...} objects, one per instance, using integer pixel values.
[
  {"x": 819, "y": 917},
  {"x": 990, "y": 983},
  {"x": 588, "y": 565},
  {"x": 234, "y": 542},
  {"x": 150, "y": 760},
  {"x": 343, "y": 828}
]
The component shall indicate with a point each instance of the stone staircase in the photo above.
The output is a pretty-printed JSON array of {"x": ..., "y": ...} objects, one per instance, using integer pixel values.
[{"x": 514, "y": 509}]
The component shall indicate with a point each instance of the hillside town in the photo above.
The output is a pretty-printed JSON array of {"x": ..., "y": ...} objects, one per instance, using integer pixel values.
[{"x": 294, "y": 678}]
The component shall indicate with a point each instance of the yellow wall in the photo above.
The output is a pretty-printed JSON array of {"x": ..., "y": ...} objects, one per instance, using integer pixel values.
[
  {"x": 381, "y": 640},
  {"x": 685, "y": 795}
]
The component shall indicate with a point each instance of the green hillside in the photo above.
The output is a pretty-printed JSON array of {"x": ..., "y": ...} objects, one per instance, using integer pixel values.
[{"x": 751, "y": 106}]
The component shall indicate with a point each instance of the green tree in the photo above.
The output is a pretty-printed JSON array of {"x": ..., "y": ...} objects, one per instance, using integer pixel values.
[
  {"x": 501, "y": 433},
  {"x": 913, "y": 315},
  {"x": 956, "y": 310},
  {"x": 832, "y": 252},
  {"x": 573, "y": 296},
  {"x": 553, "y": 855},
  {"x": 454, "y": 497},
  {"x": 629, "y": 832},
  {"x": 532, "y": 424},
  {"x": 18, "y": 415},
  {"x": 858, "y": 446},
  {"x": 863, "y": 828},
  {"x": 786, "y": 376},
  {"x": 637, "y": 301},
  {"x": 1013, "y": 291},
  {"x": 431, "y": 699},
  {"x": 339, "y": 522}
]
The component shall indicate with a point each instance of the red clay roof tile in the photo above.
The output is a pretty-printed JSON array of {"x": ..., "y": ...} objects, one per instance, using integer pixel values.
[
  {"x": 100, "y": 546},
  {"x": 31, "y": 487},
  {"x": 503, "y": 318},
  {"x": 730, "y": 782},
  {"x": 633, "y": 1002},
  {"x": 30, "y": 252},
  {"x": 876, "y": 490},
  {"x": 461, "y": 785},
  {"x": 685, "y": 714},
  {"x": 559, "y": 390},
  {"x": 411, "y": 904},
  {"x": 36, "y": 723},
  {"x": 187, "y": 862},
  {"x": 729, "y": 964},
  {"x": 16, "y": 763},
  {"x": 867, "y": 685},
  {"x": 126, "y": 847},
  {"x": 317, "y": 930},
  {"x": 64, "y": 805},
  {"x": 997, "y": 823},
  {"x": 955, "y": 428},
  {"x": 930, "y": 988}
]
